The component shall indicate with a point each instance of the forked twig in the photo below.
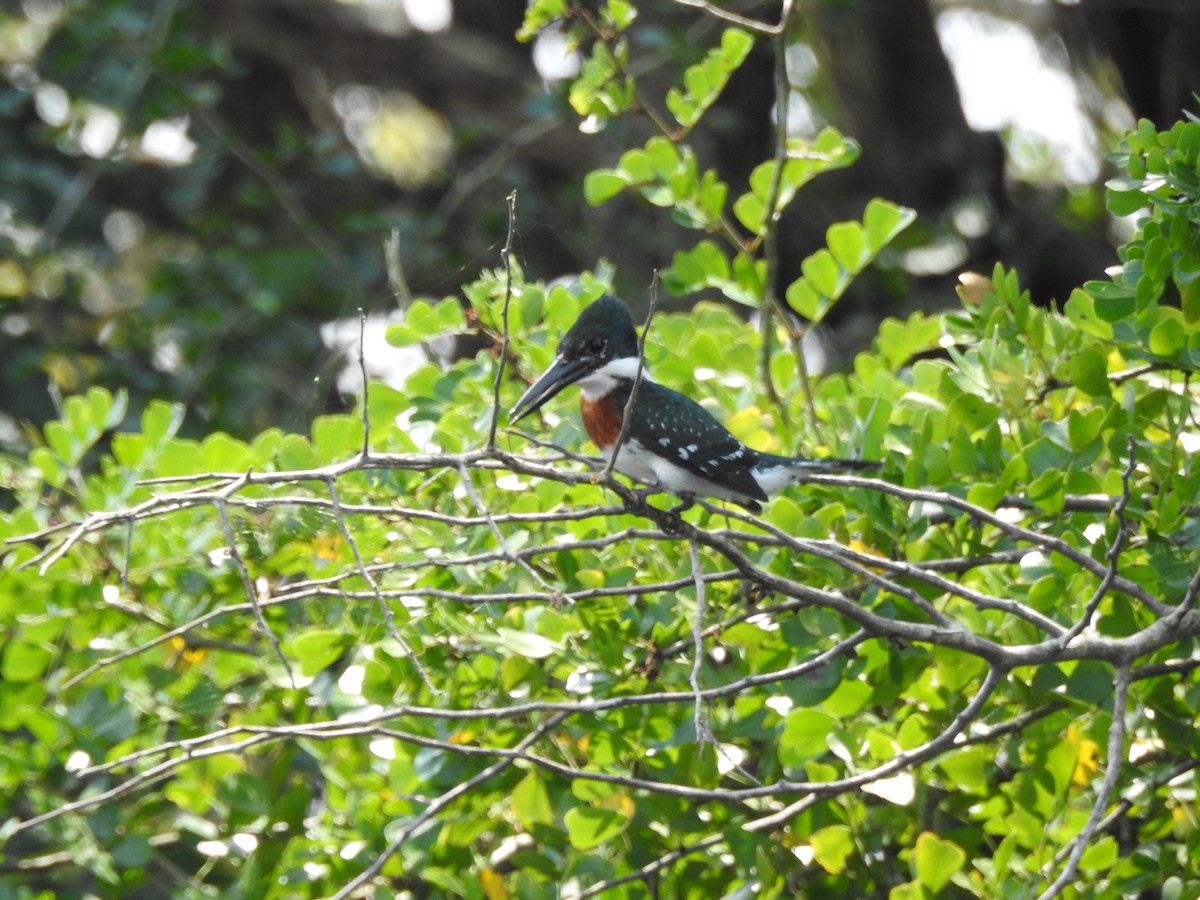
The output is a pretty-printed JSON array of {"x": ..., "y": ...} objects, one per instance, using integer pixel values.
[{"x": 627, "y": 412}]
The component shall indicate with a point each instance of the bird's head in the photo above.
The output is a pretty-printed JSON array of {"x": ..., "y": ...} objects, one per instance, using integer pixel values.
[{"x": 599, "y": 348}]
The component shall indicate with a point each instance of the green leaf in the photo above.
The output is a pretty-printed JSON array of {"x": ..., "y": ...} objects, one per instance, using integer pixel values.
[
  {"x": 832, "y": 846},
  {"x": 423, "y": 322},
  {"x": 1167, "y": 338},
  {"x": 966, "y": 769},
  {"x": 1044, "y": 455},
  {"x": 1088, "y": 371},
  {"x": 936, "y": 861},
  {"x": 589, "y": 827},
  {"x": 750, "y": 210},
  {"x": 848, "y": 243},
  {"x": 1083, "y": 428},
  {"x": 823, "y": 273},
  {"x": 884, "y": 220},
  {"x": 1100, "y": 856},
  {"x": 706, "y": 79},
  {"x": 315, "y": 650},
  {"x": 619, "y": 14},
  {"x": 827, "y": 273},
  {"x": 538, "y": 14},
  {"x": 804, "y": 736},
  {"x": 1187, "y": 282},
  {"x": 25, "y": 661},
  {"x": 972, "y": 411},
  {"x": 601, "y": 185},
  {"x": 1081, "y": 310},
  {"x": 524, "y": 643},
  {"x": 531, "y": 801}
]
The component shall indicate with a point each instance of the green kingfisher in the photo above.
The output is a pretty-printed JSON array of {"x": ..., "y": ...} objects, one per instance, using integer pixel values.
[{"x": 673, "y": 443}]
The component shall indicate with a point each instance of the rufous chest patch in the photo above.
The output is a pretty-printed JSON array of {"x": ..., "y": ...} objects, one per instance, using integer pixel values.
[{"x": 602, "y": 419}]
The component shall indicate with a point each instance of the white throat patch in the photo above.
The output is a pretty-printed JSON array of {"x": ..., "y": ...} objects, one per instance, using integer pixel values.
[{"x": 596, "y": 384}]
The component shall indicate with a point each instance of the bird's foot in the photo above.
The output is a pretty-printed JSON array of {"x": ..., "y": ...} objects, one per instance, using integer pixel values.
[
  {"x": 637, "y": 502},
  {"x": 669, "y": 520}
]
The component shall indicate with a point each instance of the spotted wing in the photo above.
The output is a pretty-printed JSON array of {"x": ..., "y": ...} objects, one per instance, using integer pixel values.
[{"x": 684, "y": 432}]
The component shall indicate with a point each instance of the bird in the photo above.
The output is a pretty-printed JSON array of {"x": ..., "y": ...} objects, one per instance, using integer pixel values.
[{"x": 673, "y": 443}]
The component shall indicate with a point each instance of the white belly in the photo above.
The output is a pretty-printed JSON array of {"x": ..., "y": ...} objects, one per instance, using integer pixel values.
[{"x": 651, "y": 469}]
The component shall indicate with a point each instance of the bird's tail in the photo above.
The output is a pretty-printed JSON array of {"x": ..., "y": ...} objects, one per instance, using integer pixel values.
[{"x": 791, "y": 469}]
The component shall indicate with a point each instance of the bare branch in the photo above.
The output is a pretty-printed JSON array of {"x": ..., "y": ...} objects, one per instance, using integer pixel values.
[
  {"x": 703, "y": 735},
  {"x": 235, "y": 556},
  {"x": 417, "y": 823},
  {"x": 507, "y": 252},
  {"x": 900, "y": 761},
  {"x": 667, "y": 859},
  {"x": 389, "y": 618},
  {"x": 1112, "y": 556},
  {"x": 626, "y": 413},
  {"x": 1116, "y": 760},
  {"x": 733, "y": 18}
]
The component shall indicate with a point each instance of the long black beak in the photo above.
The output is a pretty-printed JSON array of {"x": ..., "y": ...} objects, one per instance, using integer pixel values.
[{"x": 562, "y": 372}]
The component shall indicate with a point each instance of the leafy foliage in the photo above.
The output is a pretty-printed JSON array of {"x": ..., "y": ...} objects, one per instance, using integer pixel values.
[{"x": 389, "y": 654}]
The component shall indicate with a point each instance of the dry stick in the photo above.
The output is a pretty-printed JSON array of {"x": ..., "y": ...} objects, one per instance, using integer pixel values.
[
  {"x": 557, "y": 595},
  {"x": 207, "y": 746},
  {"x": 1023, "y": 655},
  {"x": 1116, "y": 760},
  {"x": 127, "y": 556},
  {"x": 1018, "y": 532},
  {"x": 251, "y": 594},
  {"x": 327, "y": 587},
  {"x": 1126, "y": 804},
  {"x": 770, "y": 238},
  {"x": 362, "y": 368},
  {"x": 438, "y": 805},
  {"x": 928, "y": 750},
  {"x": 1189, "y": 598},
  {"x": 374, "y": 585},
  {"x": 646, "y": 871},
  {"x": 491, "y": 461},
  {"x": 703, "y": 735},
  {"x": 732, "y": 17},
  {"x": 336, "y": 504},
  {"x": 508, "y": 281},
  {"x": 482, "y": 459},
  {"x": 1112, "y": 556},
  {"x": 627, "y": 412},
  {"x": 190, "y": 747}
]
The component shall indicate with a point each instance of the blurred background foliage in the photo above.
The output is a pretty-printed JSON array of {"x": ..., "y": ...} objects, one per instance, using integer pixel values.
[{"x": 189, "y": 191}]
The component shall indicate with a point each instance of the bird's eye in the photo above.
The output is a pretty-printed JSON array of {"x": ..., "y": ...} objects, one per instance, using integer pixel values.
[{"x": 596, "y": 345}]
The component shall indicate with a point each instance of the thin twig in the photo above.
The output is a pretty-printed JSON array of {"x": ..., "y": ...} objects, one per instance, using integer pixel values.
[
  {"x": 900, "y": 761},
  {"x": 771, "y": 304},
  {"x": 502, "y": 543},
  {"x": 366, "y": 575},
  {"x": 703, "y": 735},
  {"x": 731, "y": 17},
  {"x": 235, "y": 556},
  {"x": 627, "y": 412},
  {"x": 1113, "y": 555},
  {"x": 653, "y": 868},
  {"x": 508, "y": 284},
  {"x": 418, "y": 822},
  {"x": 362, "y": 369},
  {"x": 1116, "y": 759}
]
